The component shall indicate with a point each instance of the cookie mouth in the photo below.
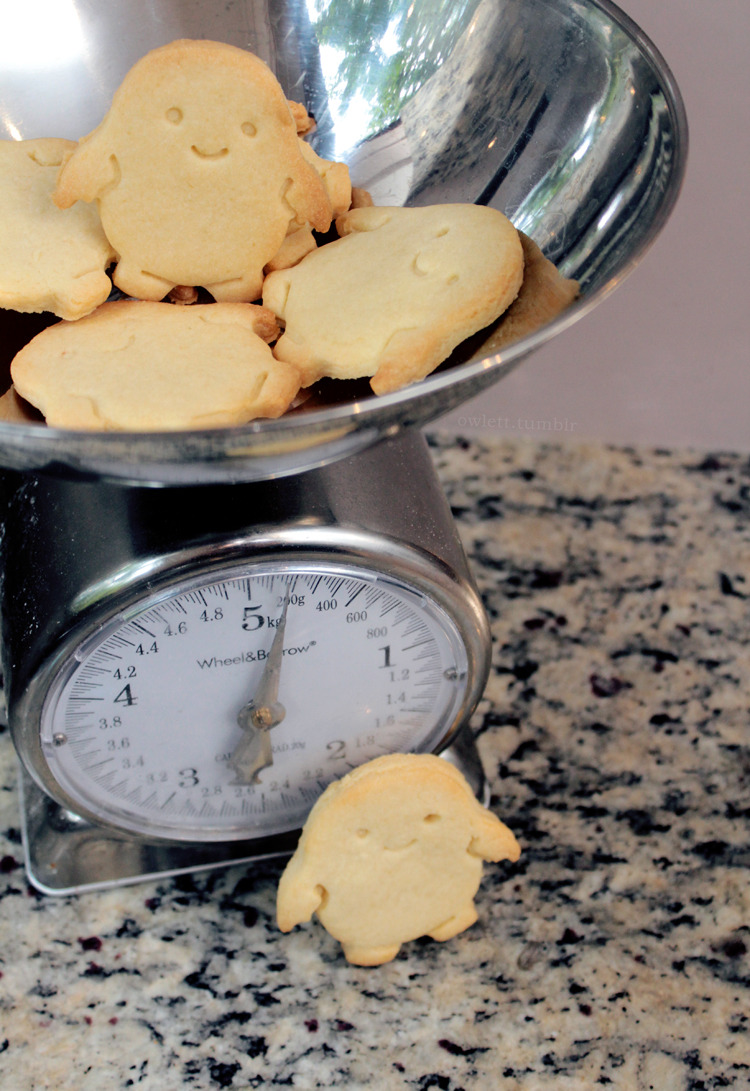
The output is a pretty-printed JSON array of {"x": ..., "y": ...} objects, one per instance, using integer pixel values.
[
  {"x": 401, "y": 848},
  {"x": 209, "y": 155}
]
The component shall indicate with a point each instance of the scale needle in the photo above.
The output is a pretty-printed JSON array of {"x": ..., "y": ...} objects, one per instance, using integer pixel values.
[{"x": 263, "y": 711}]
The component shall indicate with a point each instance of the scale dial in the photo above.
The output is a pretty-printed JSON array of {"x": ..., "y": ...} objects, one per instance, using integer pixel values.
[{"x": 221, "y": 707}]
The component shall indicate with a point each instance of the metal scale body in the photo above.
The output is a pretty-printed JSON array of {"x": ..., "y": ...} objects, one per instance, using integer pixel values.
[
  {"x": 561, "y": 114},
  {"x": 81, "y": 560}
]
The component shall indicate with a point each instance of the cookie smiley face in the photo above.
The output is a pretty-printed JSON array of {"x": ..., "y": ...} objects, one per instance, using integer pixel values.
[
  {"x": 197, "y": 171},
  {"x": 391, "y": 852}
]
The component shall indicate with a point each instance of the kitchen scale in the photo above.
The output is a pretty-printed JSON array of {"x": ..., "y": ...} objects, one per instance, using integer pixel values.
[{"x": 202, "y": 630}]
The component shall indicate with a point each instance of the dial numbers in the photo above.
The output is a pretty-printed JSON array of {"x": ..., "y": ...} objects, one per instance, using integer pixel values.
[{"x": 222, "y": 710}]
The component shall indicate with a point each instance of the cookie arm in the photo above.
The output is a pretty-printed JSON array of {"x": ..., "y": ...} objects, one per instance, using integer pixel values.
[
  {"x": 307, "y": 198},
  {"x": 254, "y": 318},
  {"x": 364, "y": 218},
  {"x": 276, "y": 288},
  {"x": 335, "y": 178},
  {"x": 410, "y": 355},
  {"x": 298, "y": 897},
  {"x": 85, "y": 174},
  {"x": 492, "y": 840}
]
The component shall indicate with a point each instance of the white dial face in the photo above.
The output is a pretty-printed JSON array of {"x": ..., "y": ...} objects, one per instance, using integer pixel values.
[{"x": 221, "y": 710}]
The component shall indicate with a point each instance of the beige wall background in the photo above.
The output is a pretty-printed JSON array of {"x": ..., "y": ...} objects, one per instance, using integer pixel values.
[{"x": 665, "y": 360}]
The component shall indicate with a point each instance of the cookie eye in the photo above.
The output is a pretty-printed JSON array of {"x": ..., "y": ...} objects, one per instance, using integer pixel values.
[
  {"x": 248, "y": 128},
  {"x": 362, "y": 833},
  {"x": 174, "y": 114},
  {"x": 430, "y": 819}
]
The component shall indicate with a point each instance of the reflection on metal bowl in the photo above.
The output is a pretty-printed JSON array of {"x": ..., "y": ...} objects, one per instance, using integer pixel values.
[{"x": 558, "y": 112}]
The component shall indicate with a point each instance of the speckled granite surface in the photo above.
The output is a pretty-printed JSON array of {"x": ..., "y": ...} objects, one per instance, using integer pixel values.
[{"x": 616, "y": 734}]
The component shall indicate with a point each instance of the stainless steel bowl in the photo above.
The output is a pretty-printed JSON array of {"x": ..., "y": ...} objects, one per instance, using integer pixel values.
[{"x": 561, "y": 113}]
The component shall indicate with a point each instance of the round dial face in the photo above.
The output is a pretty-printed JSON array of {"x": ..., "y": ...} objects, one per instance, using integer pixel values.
[{"x": 221, "y": 710}]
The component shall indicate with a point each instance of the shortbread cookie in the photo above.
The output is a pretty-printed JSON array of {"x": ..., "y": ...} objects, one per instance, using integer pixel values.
[
  {"x": 17, "y": 411},
  {"x": 197, "y": 171},
  {"x": 302, "y": 120},
  {"x": 183, "y": 296},
  {"x": 545, "y": 293},
  {"x": 395, "y": 295},
  {"x": 142, "y": 366},
  {"x": 300, "y": 240},
  {"x": 50, "y": 259},
  {"x": 391, "y": 852},
  {"x": 361, "y": 198},
  {"x": 335, "y": 178},
  {"x": 297, "y": 245}
]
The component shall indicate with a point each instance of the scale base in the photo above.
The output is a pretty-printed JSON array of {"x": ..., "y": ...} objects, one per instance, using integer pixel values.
[{"x": 65, "y": 854}]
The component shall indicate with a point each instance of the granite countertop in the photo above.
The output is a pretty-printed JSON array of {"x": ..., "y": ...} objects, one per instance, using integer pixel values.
[{"x": 614, "y": 730}]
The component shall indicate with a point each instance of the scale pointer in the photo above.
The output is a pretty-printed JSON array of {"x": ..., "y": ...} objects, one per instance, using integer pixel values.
[{"x": 262, "y": 712}]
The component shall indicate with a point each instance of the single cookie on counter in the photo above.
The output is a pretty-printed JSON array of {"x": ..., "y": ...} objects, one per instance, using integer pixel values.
[
  {"x": 397, "y": 293},
  {"x": 197, "y": 171},
  {"x": 50, "y": 259},
  {"x": 142, "y": 366},
  {"x": 391, "y": 852}
]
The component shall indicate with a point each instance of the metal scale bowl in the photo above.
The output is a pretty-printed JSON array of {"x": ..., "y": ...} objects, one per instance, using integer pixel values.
[{"x": 295, "y": 559}]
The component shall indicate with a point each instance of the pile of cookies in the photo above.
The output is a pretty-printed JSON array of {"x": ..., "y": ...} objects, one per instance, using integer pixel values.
[{"x": 198, "y": 204}]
